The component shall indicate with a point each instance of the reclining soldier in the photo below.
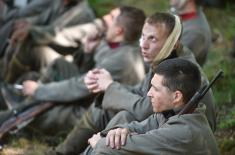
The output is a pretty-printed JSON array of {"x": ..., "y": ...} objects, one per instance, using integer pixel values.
[
  {"x": 27, "y": 50},
  {"x": 116, "y": 52}
]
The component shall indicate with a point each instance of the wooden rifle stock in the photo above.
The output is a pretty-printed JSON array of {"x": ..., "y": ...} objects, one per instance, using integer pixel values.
[
  {"x": 23, "y": 117},
  {"x": 194, "y": 101}
]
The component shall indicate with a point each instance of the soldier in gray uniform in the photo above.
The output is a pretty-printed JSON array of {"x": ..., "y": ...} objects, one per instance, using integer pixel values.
[
  {"x": 16, "y": 16},
  {"x": 121, "y": 104},
  {"x": 26, "y": 41},
  {"x": 117, "y": 52},
  {"x": 33, "y": 8},
  {"x": 174, "y": 83},
  {"x": 196, "y": 30}
]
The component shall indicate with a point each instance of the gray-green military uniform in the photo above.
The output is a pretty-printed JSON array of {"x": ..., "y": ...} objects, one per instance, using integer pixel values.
[
  {"x": 49, "y": 13},
  {"x": 160, "y": 134},
  {"x": 123, "y": 104},
  {"x": 197, "y": 37},
  {"x": 125, "y": 65},
  {"x": 28, "y": 55},
  {"x": 34, "y": 8}
]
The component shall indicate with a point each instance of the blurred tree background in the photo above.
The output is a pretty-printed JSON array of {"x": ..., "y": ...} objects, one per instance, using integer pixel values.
[{"x": 221, "y": 17}]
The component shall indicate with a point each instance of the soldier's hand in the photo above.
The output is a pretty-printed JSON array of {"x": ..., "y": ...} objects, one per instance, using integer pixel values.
[
  {"x": 19, "y": 36},
  {"x": 94, "y": 139},
  {"x": 29, "y": 87},
  {"x": 117, "y": 137},
  {"x": 90, "y": 80},
  {"x": 104, "y": 79}
]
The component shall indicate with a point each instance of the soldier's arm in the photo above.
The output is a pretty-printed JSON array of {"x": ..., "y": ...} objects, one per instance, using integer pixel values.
[{"x": 118, "y": 97}]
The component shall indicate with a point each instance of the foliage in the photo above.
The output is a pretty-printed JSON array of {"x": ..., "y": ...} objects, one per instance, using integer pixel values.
[
  {"x": 149, "y": 6},
  {"x": 227, "y": 146},
  {"x": 102, "y": 7},
  {"x": 222, "y": 22},
  {"x": 220, "y": 58}
]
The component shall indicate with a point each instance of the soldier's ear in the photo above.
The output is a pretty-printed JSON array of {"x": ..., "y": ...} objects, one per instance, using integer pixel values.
[
  {"x": 177, "y": 99},
  {"x": 119, "y": 30},
  {"x": 177, "y": 44}
]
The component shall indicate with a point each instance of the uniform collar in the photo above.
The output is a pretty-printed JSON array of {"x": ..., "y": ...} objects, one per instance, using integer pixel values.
[
  {"x": 188, "y": 16},
  {"x": 114, "y": 45}
]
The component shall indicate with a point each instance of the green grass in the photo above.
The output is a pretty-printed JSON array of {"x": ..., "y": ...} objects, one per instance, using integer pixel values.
[
  {"x": 24, "y": 146},
  {"x": 222, "y": 22},
  {"x": 149, "y": 6}
]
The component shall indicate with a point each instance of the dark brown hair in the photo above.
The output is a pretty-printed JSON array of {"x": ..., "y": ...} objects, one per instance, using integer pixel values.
[
  {"x": 132, "y": 20},
  {"x": 180, "y": 74},
  {"x": 161, "y": 17}
]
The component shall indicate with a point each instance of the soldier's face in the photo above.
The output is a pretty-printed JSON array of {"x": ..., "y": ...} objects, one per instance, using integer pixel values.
[
  {"x": 152, "y": 40},
  {"x": 112, "y": 27},
  {"x": 162, "y": 98},
  {"x": 66, "y": 2}
]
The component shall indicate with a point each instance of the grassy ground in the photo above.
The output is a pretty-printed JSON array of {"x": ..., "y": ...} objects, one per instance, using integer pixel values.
[{"x": 222, "y": 22}]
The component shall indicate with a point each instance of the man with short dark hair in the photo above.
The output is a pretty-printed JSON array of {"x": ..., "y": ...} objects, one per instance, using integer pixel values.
[
  {"x": 174, "y": 83},
  {"x": 122, "y": 104}
]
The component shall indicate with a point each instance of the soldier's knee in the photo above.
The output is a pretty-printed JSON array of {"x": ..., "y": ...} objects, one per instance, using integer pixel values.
[{"x": 101, "y": 148}]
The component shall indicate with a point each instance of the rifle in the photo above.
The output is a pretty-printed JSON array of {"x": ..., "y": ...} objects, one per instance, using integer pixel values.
[
  {"x": 194, "y": 101},
  {"x": 21, "y": 116}
]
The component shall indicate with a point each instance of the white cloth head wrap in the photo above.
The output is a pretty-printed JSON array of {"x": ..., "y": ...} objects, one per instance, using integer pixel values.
[{"x": 170, "y": 42}]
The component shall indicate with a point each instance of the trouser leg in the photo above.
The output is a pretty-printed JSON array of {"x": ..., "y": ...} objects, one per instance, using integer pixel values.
[
  {"x": 27, "y": 57},
  {"x": 76, "y": 142},
  {"x": 58, "y": 120},
  {"x": 88, "y": 151},
  {"x": 14, "y": 70},
  {"x": 5, "y": 34},
  {"x": 18, "y": 61},
  {"x": 93, "y": 121},
  {"x": 59, "y": 70},
  {"x": 120, "y": 118}
]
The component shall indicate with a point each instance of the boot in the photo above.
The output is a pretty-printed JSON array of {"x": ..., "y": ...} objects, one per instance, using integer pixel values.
[{"x": 5, "y": 115}]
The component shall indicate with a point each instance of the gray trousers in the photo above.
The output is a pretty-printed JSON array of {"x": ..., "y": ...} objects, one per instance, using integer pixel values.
[
  {"x": 93, "y": 121},
  {"x": 27, "y": 57}
]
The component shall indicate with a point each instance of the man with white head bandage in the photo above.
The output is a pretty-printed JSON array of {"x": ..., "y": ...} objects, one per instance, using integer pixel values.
[
  {"x": 173, "y": 83},
  {"x": 120, "y": 104}
]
